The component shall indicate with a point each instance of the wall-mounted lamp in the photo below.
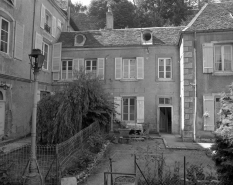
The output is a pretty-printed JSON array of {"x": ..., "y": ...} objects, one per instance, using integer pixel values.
[{"x": 4, "y": 85}]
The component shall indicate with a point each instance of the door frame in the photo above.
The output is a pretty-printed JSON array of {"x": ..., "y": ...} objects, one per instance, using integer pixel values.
[
  {"x": 4, "y": 103},
  {"x": 158, "y": 116}
]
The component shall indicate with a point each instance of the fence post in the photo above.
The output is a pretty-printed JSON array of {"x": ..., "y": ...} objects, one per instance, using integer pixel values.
[
  {"x": 184, "y": 171},
  {"x": 111, "y": 170}
]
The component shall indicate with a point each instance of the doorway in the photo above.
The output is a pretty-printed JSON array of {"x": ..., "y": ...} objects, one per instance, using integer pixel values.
[{"x": 165, "y": 119}]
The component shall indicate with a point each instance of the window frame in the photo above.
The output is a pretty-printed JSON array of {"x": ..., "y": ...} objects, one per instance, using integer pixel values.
[
  {"x": 222, "y": 57},
  {"x": 8, "y": 37},
  {"x": 91, "y": 60},
  {"x": 43, "y": 44},
  {"x": 164, "y": 100},
  {"x": 67, "y": 61},
  {"x": 50, "y": 20},
  {"x": 129, "y": 69},
  {"x": 128, "y": 107},
  {"x": 165, "y": 71}
]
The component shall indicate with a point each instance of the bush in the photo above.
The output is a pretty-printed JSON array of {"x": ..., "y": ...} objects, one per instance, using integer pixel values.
[
  {"x": 95, "y": 142},
  {"x": 223, "y": 146}
]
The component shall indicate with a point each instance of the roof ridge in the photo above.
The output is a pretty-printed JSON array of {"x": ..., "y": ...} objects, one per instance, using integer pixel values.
[{"x": 195, "y": 18}]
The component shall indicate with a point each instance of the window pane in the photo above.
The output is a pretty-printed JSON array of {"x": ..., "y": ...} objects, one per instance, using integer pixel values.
[
  {"x": 161, "y": 68},
  {"x": 4, "y": 36},
  {"x": 218, "y": 61},
  {"x": 132, "y": 68},
  {"x": 69, "y": 65},
  {"x": 126, "y": 68},
  {"x": 161, "y": 74},
  {"x": 132, "y": 102},
  {"x": 131, "y": 117},
  {"x": 125, "y": 117},
  {"x": 161, "y": 100},
  {"x": 5, "y": 25},
  {"x": 63, "y": 65},
  {"x": 94, "y": 65},
  {"x": 3, "y": 47},
  {"x": 125, "y": 101},
  {"x": 63, "y": 75},
  {"x": 227, "y": 58},
  {"x": 167, "y": 101},
  {"x": 168, "y": 74},
  {"x": 168, "y": 62},
  {"x": 168, "y": 68},
  {"x": 161, "y": 62}
]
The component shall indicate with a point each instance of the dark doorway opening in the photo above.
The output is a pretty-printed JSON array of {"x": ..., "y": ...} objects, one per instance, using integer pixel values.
[{"x": 165, "y": 119}]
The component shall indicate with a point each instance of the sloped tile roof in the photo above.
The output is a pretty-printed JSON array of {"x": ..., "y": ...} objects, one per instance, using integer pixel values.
[
  {"x": 122, "y": 37},
  {"x": 215, "y": 16}
]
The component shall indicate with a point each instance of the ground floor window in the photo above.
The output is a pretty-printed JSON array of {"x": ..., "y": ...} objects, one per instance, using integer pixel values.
[
  {"x": 129, "y": 109},
  {"x": 67, "y": 67}
]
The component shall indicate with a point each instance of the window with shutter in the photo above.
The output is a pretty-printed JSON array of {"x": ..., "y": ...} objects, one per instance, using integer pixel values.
[
  {"x": 208, "y": 112},
  {"x": 56, "y": 57},
  {"x": 129, "y": 109},
  {"x": 45, "y": 52},
  {"x": 140, "y": 109},
  {"x": 208, "y": 56},
  {"x": 19, "y": 38},
  {"x": 223, "y": 58},
  {"x": 164, "y": 68},
  {"x": 67, "y": 70}
]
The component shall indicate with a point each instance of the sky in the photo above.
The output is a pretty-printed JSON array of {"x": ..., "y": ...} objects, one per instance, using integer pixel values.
[{"x": 84, "y": 2}]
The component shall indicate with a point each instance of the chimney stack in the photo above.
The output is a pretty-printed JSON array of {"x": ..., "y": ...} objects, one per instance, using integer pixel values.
[{"x": 109, "y": 17}]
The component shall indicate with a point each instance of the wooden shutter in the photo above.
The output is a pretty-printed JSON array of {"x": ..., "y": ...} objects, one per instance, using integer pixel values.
[
  {"x": 117, "y": 101},
  {"x": 19, "y": 38},
  {"x": 140, "y": 68},
  {"x": 56, "y": 57},
  {"x": 100, "y": 70},
  {"x": 39, "y": 41},
  {"x": 42, "y": 16},
  {"x": 56, "y": 75},
  {"x": 140, "y": 109},
  {"x": 208, "y": 106},
  {"x": 208, "y": 57},
  {"x": 54, "y": 27},
  {"x": 118, "y": 68},
  {"x": 38, "y": 96}
]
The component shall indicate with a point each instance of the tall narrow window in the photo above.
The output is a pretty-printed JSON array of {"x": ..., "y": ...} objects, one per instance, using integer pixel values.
[
  {"x": 223, "y": 57},
  {"x": 165, "y": 68},
  {"x": 45, "y": 52},
  {"x": 91, "y": 66},
  {"x": 129, "y": 68},
  {"x": 67, "y": 67},
  {"x": 48, "y": 21},
  {"x": 4, "y": 32},
  {"x": 129, "y": 109}
]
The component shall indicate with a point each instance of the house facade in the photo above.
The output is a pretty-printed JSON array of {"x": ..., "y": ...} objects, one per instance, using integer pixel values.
[
  {"x": 25, "y": 25},
  {"x": 206, "y": 47}
]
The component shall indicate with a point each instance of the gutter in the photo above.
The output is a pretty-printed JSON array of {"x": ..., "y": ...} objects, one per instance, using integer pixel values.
[
  {"x": 195, "y": 87},
  {"x": 33, "y": 28}
]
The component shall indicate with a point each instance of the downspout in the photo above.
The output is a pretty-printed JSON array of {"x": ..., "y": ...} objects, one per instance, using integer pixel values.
[
  {"x": 33, "y": 28},
  {"x": 195, "y": 88}
]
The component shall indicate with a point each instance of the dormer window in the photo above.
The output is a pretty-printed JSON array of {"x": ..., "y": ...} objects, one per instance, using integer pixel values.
[
  {"x": 147, "y": 37},
  {"x": 79, "y": 40}
]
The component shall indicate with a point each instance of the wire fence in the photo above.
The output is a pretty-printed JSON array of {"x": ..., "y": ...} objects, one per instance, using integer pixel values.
[{"x": 53, "y": 160}]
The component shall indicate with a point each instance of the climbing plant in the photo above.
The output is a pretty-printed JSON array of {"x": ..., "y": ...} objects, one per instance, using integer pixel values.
[{"x": 74, "y": 105}]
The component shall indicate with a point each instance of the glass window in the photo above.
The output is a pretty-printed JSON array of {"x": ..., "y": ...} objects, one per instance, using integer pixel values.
[
  {"x": 223, "y": 57},
  {"x": 67, "y": 69},
  {"x": 165, "y": 68},
  {"x": 48, "y": 21},
  {"x": 45, "y": 52},
  {"x": 91, "y": 66},
  {"x": 4, "y": 32},
  {"x": 165, "y": 101},
  {"x": 129, "y": 109},
  {"x": 129, "y": 68}
]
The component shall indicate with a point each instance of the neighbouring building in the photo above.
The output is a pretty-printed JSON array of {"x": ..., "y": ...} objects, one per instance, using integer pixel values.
[{"x": 25, "y": 25}]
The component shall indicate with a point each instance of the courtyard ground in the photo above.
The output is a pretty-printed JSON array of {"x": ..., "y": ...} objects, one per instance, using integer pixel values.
[{"x": 122, "y": 156}]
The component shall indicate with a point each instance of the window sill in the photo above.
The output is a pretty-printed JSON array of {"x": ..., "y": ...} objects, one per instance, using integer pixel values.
[
  {"x": 222, "y": 73},
  {"x": 5, "y": 55},
  {"x": 165, "y": 80},
  {"x": 128, "y": 80}
]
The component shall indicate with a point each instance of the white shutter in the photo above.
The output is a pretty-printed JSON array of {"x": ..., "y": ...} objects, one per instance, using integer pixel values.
[
  {"x": 117, "y": 102},
  {"x": 38, "y": 96},
  {"x": 208, "y": 57},
  {"x": 140, "y": 109},
  {"x": 100, "y": 70},
  {"x": 54, "y": 27},
  {"x": 140, "y": 68},
  {"x": 208, "y": 106},
  {"x": 42, "y": 16},
  {"x": 56, "y": 76},
  {"x": 118, "y": 68},
  {"x": 39, "y": 41},
  {"x": 56, "y": 57},
  {"x": 19, "y": 38},
  {"x": 81, "y": 66}
]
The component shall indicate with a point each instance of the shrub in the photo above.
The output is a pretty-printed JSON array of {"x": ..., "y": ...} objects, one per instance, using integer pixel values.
[
  {"x": 95, "y": 142},
  {"x": 223, "y": 146}
]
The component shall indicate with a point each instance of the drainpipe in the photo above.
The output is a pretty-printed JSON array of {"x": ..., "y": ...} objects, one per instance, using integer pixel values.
[
  {"x": 195, "y": 88},
  {"x": 33, "y": 28}
]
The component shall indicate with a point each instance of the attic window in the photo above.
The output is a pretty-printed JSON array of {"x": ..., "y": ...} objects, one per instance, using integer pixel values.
[
  {"x": 79, "y": 40},
  {"x": 146, "y": 37}
]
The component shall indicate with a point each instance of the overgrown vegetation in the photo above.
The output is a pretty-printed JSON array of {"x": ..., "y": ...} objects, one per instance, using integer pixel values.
[
  {"x": 73, "y": 107},
  {"x": 223, "y": 146}
]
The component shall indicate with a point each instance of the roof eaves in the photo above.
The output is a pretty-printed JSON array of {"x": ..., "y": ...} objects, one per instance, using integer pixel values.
[{"x": 195, "y": 18}]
